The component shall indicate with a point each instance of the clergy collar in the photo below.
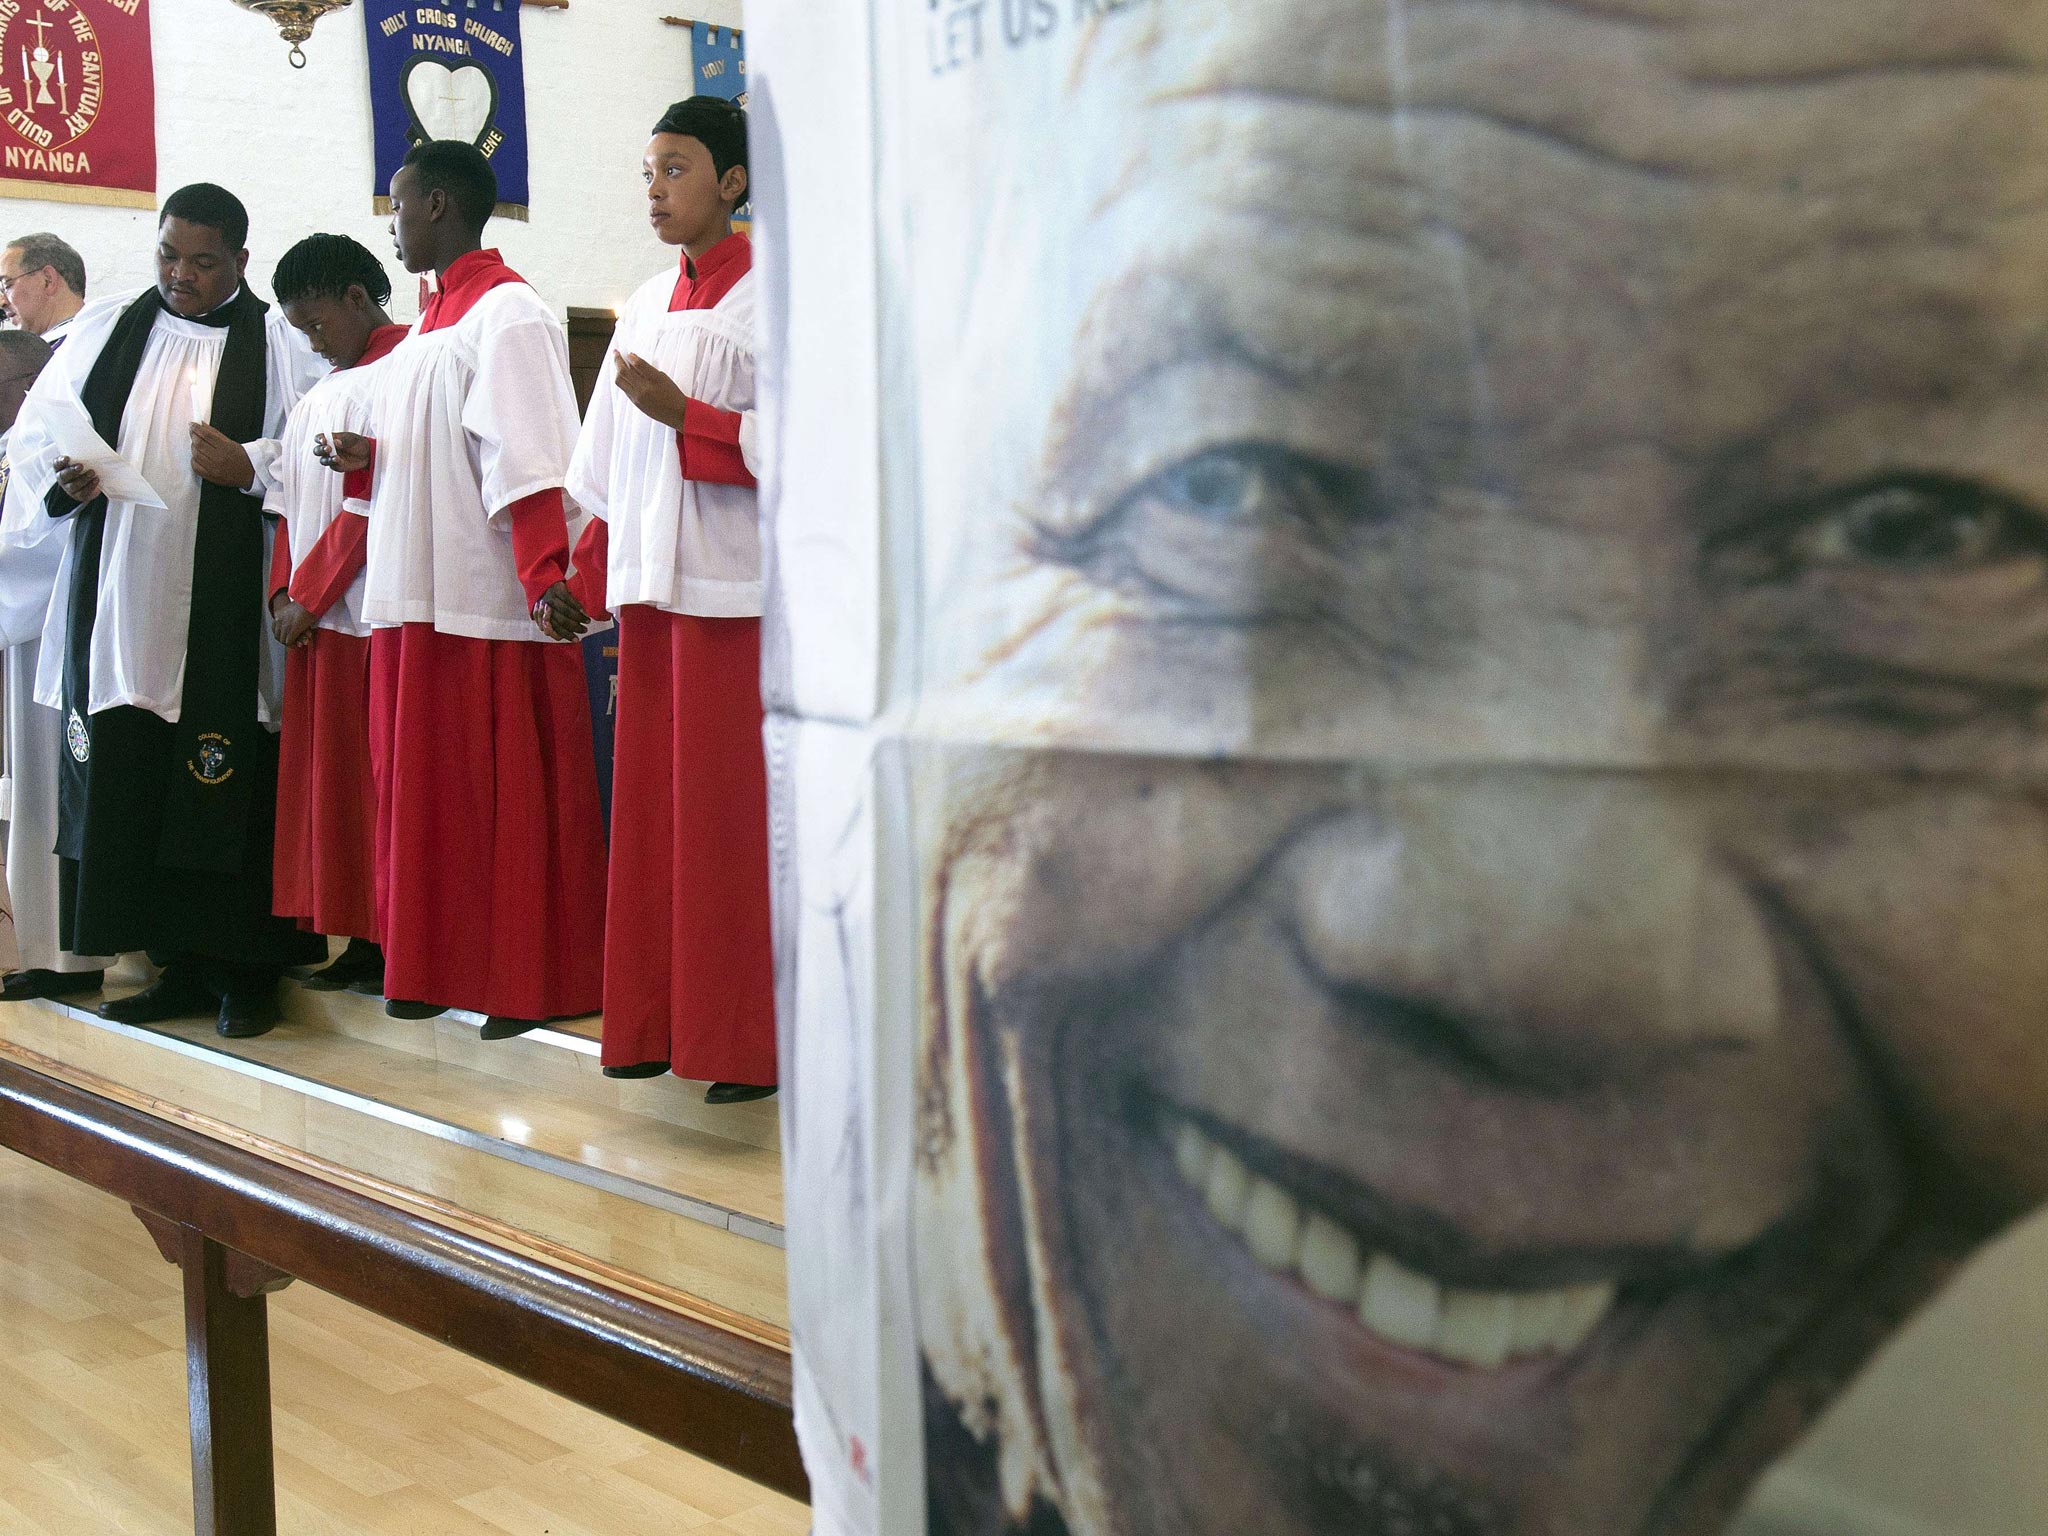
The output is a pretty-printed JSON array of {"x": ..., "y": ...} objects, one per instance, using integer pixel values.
[
  {"x": 216, "y": 318},
  {"x": 732, "y": 248}
]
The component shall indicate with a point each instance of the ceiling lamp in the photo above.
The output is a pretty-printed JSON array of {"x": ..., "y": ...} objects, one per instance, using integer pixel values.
[{"x": 294, "y": 19}]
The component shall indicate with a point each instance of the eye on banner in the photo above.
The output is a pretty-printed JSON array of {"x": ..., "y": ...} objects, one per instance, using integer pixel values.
[
  {"x": 77, "y": 102},
  {"x": 453, "y": 72}
]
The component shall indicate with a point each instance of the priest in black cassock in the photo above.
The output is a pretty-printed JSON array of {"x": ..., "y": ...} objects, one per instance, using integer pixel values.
[{"x": 157, "y": 653}]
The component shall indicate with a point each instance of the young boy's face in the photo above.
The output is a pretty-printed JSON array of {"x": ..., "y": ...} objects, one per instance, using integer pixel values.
[
  {"x": 686, "y": 197},
  {"x": 337, "y": 329},
  {"x": 1537, "y": 516}
]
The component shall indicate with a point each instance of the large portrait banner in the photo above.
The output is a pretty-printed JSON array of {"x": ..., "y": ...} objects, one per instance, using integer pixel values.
[
  {"x": 77, "y": 102},
  {"x": 453, "y": 72},
  {"x": 1412, "y": 825}
]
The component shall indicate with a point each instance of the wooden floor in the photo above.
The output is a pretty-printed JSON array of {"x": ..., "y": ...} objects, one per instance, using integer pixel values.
[{"x": 378, "y": 1430}]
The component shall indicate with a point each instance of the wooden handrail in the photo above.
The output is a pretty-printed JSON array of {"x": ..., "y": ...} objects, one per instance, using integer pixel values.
[{"x": 709, "y": 1391}]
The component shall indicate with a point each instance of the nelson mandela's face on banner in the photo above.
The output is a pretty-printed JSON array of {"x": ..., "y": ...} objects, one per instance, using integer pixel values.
[{"x": 1509, "y": 952}]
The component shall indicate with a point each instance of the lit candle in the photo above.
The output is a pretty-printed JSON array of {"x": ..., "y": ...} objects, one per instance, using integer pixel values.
[{"x": 198, "y": 398}]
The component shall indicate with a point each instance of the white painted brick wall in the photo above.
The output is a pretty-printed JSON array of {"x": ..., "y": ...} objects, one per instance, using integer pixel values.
[{"x": 294, "y": 145}]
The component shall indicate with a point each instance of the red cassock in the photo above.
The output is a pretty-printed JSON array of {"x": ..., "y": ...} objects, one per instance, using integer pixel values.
[
  {"x": 689, "y": 968},
  {"x": 324, "y": 869},
  {"x": 490, "y": 849}
]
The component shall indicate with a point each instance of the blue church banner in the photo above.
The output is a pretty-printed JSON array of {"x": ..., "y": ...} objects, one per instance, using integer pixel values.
[
  {"x": 720, "y": 59},
  {"x": 449, "y": 71}
]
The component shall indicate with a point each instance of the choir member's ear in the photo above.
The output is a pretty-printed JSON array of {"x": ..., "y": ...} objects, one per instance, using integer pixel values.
[
  {"x": 732, "y": 186},
  {"x": 241, "y": 264},
  {"x": 357, "y": 298}
]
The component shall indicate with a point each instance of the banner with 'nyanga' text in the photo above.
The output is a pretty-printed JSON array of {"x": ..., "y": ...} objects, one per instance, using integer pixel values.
[{"x": 77, "y": 102}]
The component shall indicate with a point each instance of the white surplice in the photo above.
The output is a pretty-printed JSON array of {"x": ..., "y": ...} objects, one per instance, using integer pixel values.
[
  {"x": 33, "y": 737},
  {"x": 683, "y": 546},
  {"x": 145, "y": 587},
  {"x": 468, "y": 419},
  {"x": 305, "y": 493}
]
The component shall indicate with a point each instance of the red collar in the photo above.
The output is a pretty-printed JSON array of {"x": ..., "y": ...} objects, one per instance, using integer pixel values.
[
  {"x": 713, "y": 277},
  {"x": 382, "y": 340},
  {"x": 468, "y": 278}
]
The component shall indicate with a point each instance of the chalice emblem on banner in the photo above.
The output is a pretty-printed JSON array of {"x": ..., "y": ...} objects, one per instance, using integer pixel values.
[{"x": 51, "y": 72}]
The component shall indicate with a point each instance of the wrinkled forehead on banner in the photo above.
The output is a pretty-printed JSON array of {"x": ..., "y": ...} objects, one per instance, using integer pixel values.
[{"x": 1727, "y": 220}]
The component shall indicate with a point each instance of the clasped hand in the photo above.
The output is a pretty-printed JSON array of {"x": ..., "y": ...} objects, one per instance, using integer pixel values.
[
  {"x": 342, "y": 452},
  {"x": 219, "y": 459},
  {"x": 653, "y": 392}
]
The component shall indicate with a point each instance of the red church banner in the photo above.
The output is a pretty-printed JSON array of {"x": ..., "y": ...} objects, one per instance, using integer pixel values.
[{"x": 77, "y": 102}]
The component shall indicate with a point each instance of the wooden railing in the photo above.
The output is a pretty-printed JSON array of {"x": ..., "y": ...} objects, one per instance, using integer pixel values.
[{"x": 240, "y": 1226}]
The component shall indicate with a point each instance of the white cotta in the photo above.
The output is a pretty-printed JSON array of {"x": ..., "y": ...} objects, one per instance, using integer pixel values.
[
  {"x": 305, "y": 493},
  {"x": 28, "y": 572},
  {"x": 468, "y": 420},
  {"x": 145, "y": 586},
  {"x": 683, "y": 546}
]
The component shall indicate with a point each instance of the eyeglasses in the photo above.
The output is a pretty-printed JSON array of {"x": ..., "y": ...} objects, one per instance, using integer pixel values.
[{"x": 7, "y": 283}]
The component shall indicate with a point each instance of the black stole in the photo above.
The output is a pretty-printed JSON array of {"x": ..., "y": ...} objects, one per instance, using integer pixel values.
[{"x": 212, "y": 768}]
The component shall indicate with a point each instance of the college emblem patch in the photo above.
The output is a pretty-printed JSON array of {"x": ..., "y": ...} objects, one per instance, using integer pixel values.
[
  {"x": 75, "y": 735},
  {"x": 212, "y": 766}
]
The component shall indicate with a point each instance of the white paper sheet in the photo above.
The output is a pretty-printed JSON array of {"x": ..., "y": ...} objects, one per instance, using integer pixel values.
[{"x": 75, "y": 437}]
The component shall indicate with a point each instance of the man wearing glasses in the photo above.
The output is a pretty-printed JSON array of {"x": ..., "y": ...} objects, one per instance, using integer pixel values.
[{"x": 42, "y": 286}]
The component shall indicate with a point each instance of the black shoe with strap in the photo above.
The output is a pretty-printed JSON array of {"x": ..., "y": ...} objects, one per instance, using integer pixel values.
[
  {"x": 358, "y": 967},
  {"x": 177, "y": 994},
  {"x": 499, "y": 1027},
  {"x": 639, "y": 1069},
  {"x": 737, "y": 1093},
  {"x": 23, "y": 986}
]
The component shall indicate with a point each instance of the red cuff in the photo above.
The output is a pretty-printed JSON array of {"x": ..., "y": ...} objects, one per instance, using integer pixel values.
[
  {"x": 355, "y": 484},
  {"x": 710, "y": 446},
  {"x": 332, "y": 564},
  {"x": 540, "y": 541},
  {"x": 280, "y": 563},
  {"x": 593, "y": 553}
]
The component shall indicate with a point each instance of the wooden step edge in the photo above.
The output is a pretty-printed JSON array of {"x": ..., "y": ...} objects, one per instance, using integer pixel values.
[
  {"x": 742, "y": 1223},
  {"x": 514, "y": 1239}
]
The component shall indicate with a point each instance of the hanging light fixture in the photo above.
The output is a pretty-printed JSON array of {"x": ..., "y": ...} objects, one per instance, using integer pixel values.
[{"x": 294, "y": 20}]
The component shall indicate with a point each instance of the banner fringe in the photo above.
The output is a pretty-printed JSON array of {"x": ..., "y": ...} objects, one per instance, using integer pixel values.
[{"x": 69, "y": 192}]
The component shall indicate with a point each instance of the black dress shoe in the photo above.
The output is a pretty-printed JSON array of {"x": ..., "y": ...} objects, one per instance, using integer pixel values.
[
  {"x": 22, "y": 986},
  {"x": 174, "y": 995},
  {"x": 358, "y": 966},
  {"x": 402, "y": 1010},
  {"x": 246, "y": 1017},
  {"x": 639, "y": 1069},
  {"x": 737, "y": 1093},
  {"x": 498, "y": 1027}
]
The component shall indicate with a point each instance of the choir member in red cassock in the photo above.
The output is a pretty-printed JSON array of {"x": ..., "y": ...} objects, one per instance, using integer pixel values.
[
  {"x": 333, "y": 291},
  {"x": 664, "y": 466},
  {"x": 490, "y": 843}
]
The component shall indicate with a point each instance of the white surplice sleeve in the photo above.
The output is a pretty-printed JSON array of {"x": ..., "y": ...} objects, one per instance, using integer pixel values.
[
  {"x": 31, "y": 456},
  {"x": 521, "y": 408}
]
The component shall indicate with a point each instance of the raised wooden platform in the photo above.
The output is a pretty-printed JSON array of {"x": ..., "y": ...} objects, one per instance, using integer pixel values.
[{"x": 638, "y": 1181}]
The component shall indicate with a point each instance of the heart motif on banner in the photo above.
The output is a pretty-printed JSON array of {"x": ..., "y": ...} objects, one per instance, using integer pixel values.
[{"x": 449, "y": 103}]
